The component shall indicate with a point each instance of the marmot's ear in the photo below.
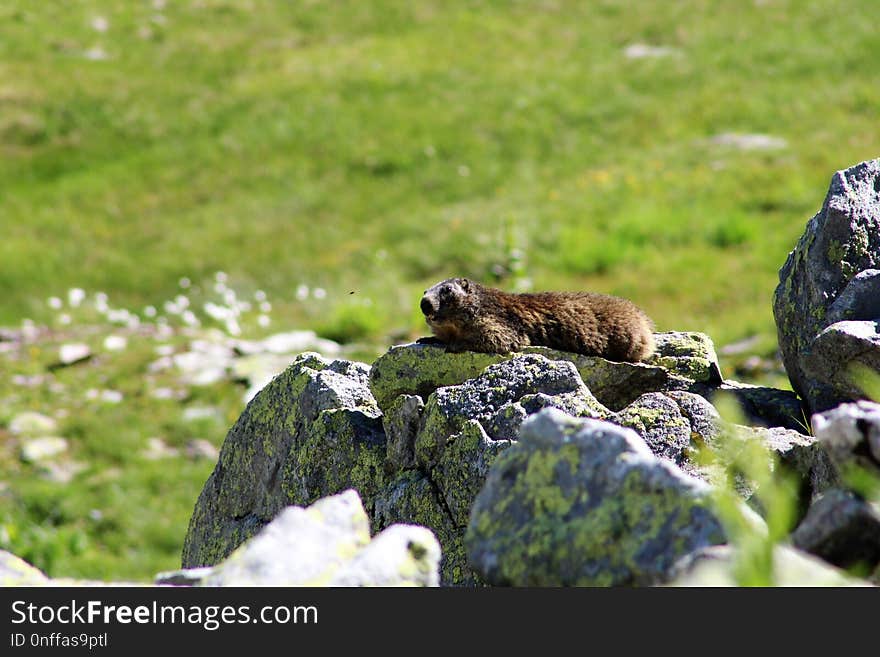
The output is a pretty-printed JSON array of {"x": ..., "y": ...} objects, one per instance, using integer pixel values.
[{"x": 464, "y": 283}]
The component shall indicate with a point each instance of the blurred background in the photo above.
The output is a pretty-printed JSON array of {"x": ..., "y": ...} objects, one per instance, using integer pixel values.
[{"x": 183, "y": 180}]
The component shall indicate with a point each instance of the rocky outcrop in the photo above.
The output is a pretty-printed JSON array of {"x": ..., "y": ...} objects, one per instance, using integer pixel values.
[
  {"x": 418, "y": 433},
  {"x": 828, "y": 300},
  {"x": 582, "y": 502}
]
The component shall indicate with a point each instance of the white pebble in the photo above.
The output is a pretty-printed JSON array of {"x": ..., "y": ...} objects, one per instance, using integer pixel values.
[{"x": 115, "y": 343}]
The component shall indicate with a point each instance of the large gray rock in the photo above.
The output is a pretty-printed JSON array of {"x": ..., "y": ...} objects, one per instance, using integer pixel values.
[
  {"x": 850, "y": 434},
  {"x": 826, "y": 302},
  {"x": 842, "y": 529},
  {"x": 585, "y": 502},
  {"x": 314, "y": 431}
]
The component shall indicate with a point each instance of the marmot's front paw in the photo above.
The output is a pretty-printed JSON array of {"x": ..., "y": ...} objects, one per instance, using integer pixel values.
[{"x": 431, "y": 340}]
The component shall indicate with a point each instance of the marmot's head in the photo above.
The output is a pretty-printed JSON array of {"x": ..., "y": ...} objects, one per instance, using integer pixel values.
[{"x": 449, "y": 302}]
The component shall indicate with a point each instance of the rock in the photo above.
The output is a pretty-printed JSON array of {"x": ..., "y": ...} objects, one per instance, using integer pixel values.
[
  {"x": 715, "y": 566},
  {"x": 584, "y": 502},
  {"x": 462, "y": 468},
  {"x": 860, "y": 298},
  {"x": 486, "y": 396},
  {"x": 702, "y": 416},
  {"x": 689, "y": 356},
  {"x": 659, "y": 422},
  {"x": 614, "y": 384},
  {"x": 850, "y": 434},
  {"x": 419, "y": 369},
  {"x": 765, "y": 406},
  {"x": 800, "y": 455},
  {"x": 842, "y": 529},
  {"x": 292, "y": 342},
  {"x": 834, "y": 351},
  {"x": 749, "y": 142},
  {"x": 195, "y": 413},
  {"x": 158, "y": 449},
  {"x": 401, "y": 555},
  {"x": 33, "y": 424},
  {"x": 18, "y": 572},
  {"x": 36, "y": 450},
  {"x": 328, "y": 544},
  {"x": 412, "y": 498},
  {"x": 183, "y": 577},
  {"x": 199, "y": 448},
  {"x": 830, "y": 279},
  {"x": 72, "y": 353},
  {"x": 313, "y": 431},
  {"x": 401, "y": 423},
  {"x": 115, "y": 343}
]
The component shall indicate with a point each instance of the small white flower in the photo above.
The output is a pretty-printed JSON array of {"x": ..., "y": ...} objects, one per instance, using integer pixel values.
[
  {"x": 302, "y": 292},
  {"x": 263, "y": 321},
  {"x": 319, "y": 293},
  {"x": 259, "y": 295},
  {"x": 64, "y": 319},
  {"x": 75, "y": 296},
  {"x": 244, "y": 306},
  {"x": 221, "y": 277},
  {"x": 101, "y": 304},
  {"x": 181, "y": 301},
  {"x": 265, "y": 307},
  {"x": 100, "y": 24},
  {"x": 189, "y": 318},
  {"x": 150, "y": 311},
  {"x": 184, "y": 283},
  {"x": 55, "y": 303}
]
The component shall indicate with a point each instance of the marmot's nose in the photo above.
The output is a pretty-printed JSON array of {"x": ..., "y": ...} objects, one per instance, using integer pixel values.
[{"x": 426, "y": 306}]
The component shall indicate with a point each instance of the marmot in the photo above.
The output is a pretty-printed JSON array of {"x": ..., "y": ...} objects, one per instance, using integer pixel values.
[{"x": 466, "y": 316}]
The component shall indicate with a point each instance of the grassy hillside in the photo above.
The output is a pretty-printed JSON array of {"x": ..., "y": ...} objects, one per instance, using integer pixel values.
[{"x": 368, "y": 149}]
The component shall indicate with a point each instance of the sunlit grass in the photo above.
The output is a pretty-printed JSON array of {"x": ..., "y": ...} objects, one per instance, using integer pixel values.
[{"x": 367, "y": 150}]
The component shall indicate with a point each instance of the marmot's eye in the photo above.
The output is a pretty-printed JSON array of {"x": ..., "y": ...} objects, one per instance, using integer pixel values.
[{"x": 464, "y": 283}]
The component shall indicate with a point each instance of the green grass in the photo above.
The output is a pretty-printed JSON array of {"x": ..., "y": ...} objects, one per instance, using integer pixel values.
[{"x": 375, "y": 147}]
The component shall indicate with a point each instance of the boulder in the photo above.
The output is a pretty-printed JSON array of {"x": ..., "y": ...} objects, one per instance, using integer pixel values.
[
  {"x": 584, "y": 502},
  {"x": 314, "y": 431},
  {"x": 843, "y": 529},
  {"x": 850, "y": 434},
  {"x": 826, "y": 305}
]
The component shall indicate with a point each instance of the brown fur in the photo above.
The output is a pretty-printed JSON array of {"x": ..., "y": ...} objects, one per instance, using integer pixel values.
[{"x": 467, "y": 316}]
